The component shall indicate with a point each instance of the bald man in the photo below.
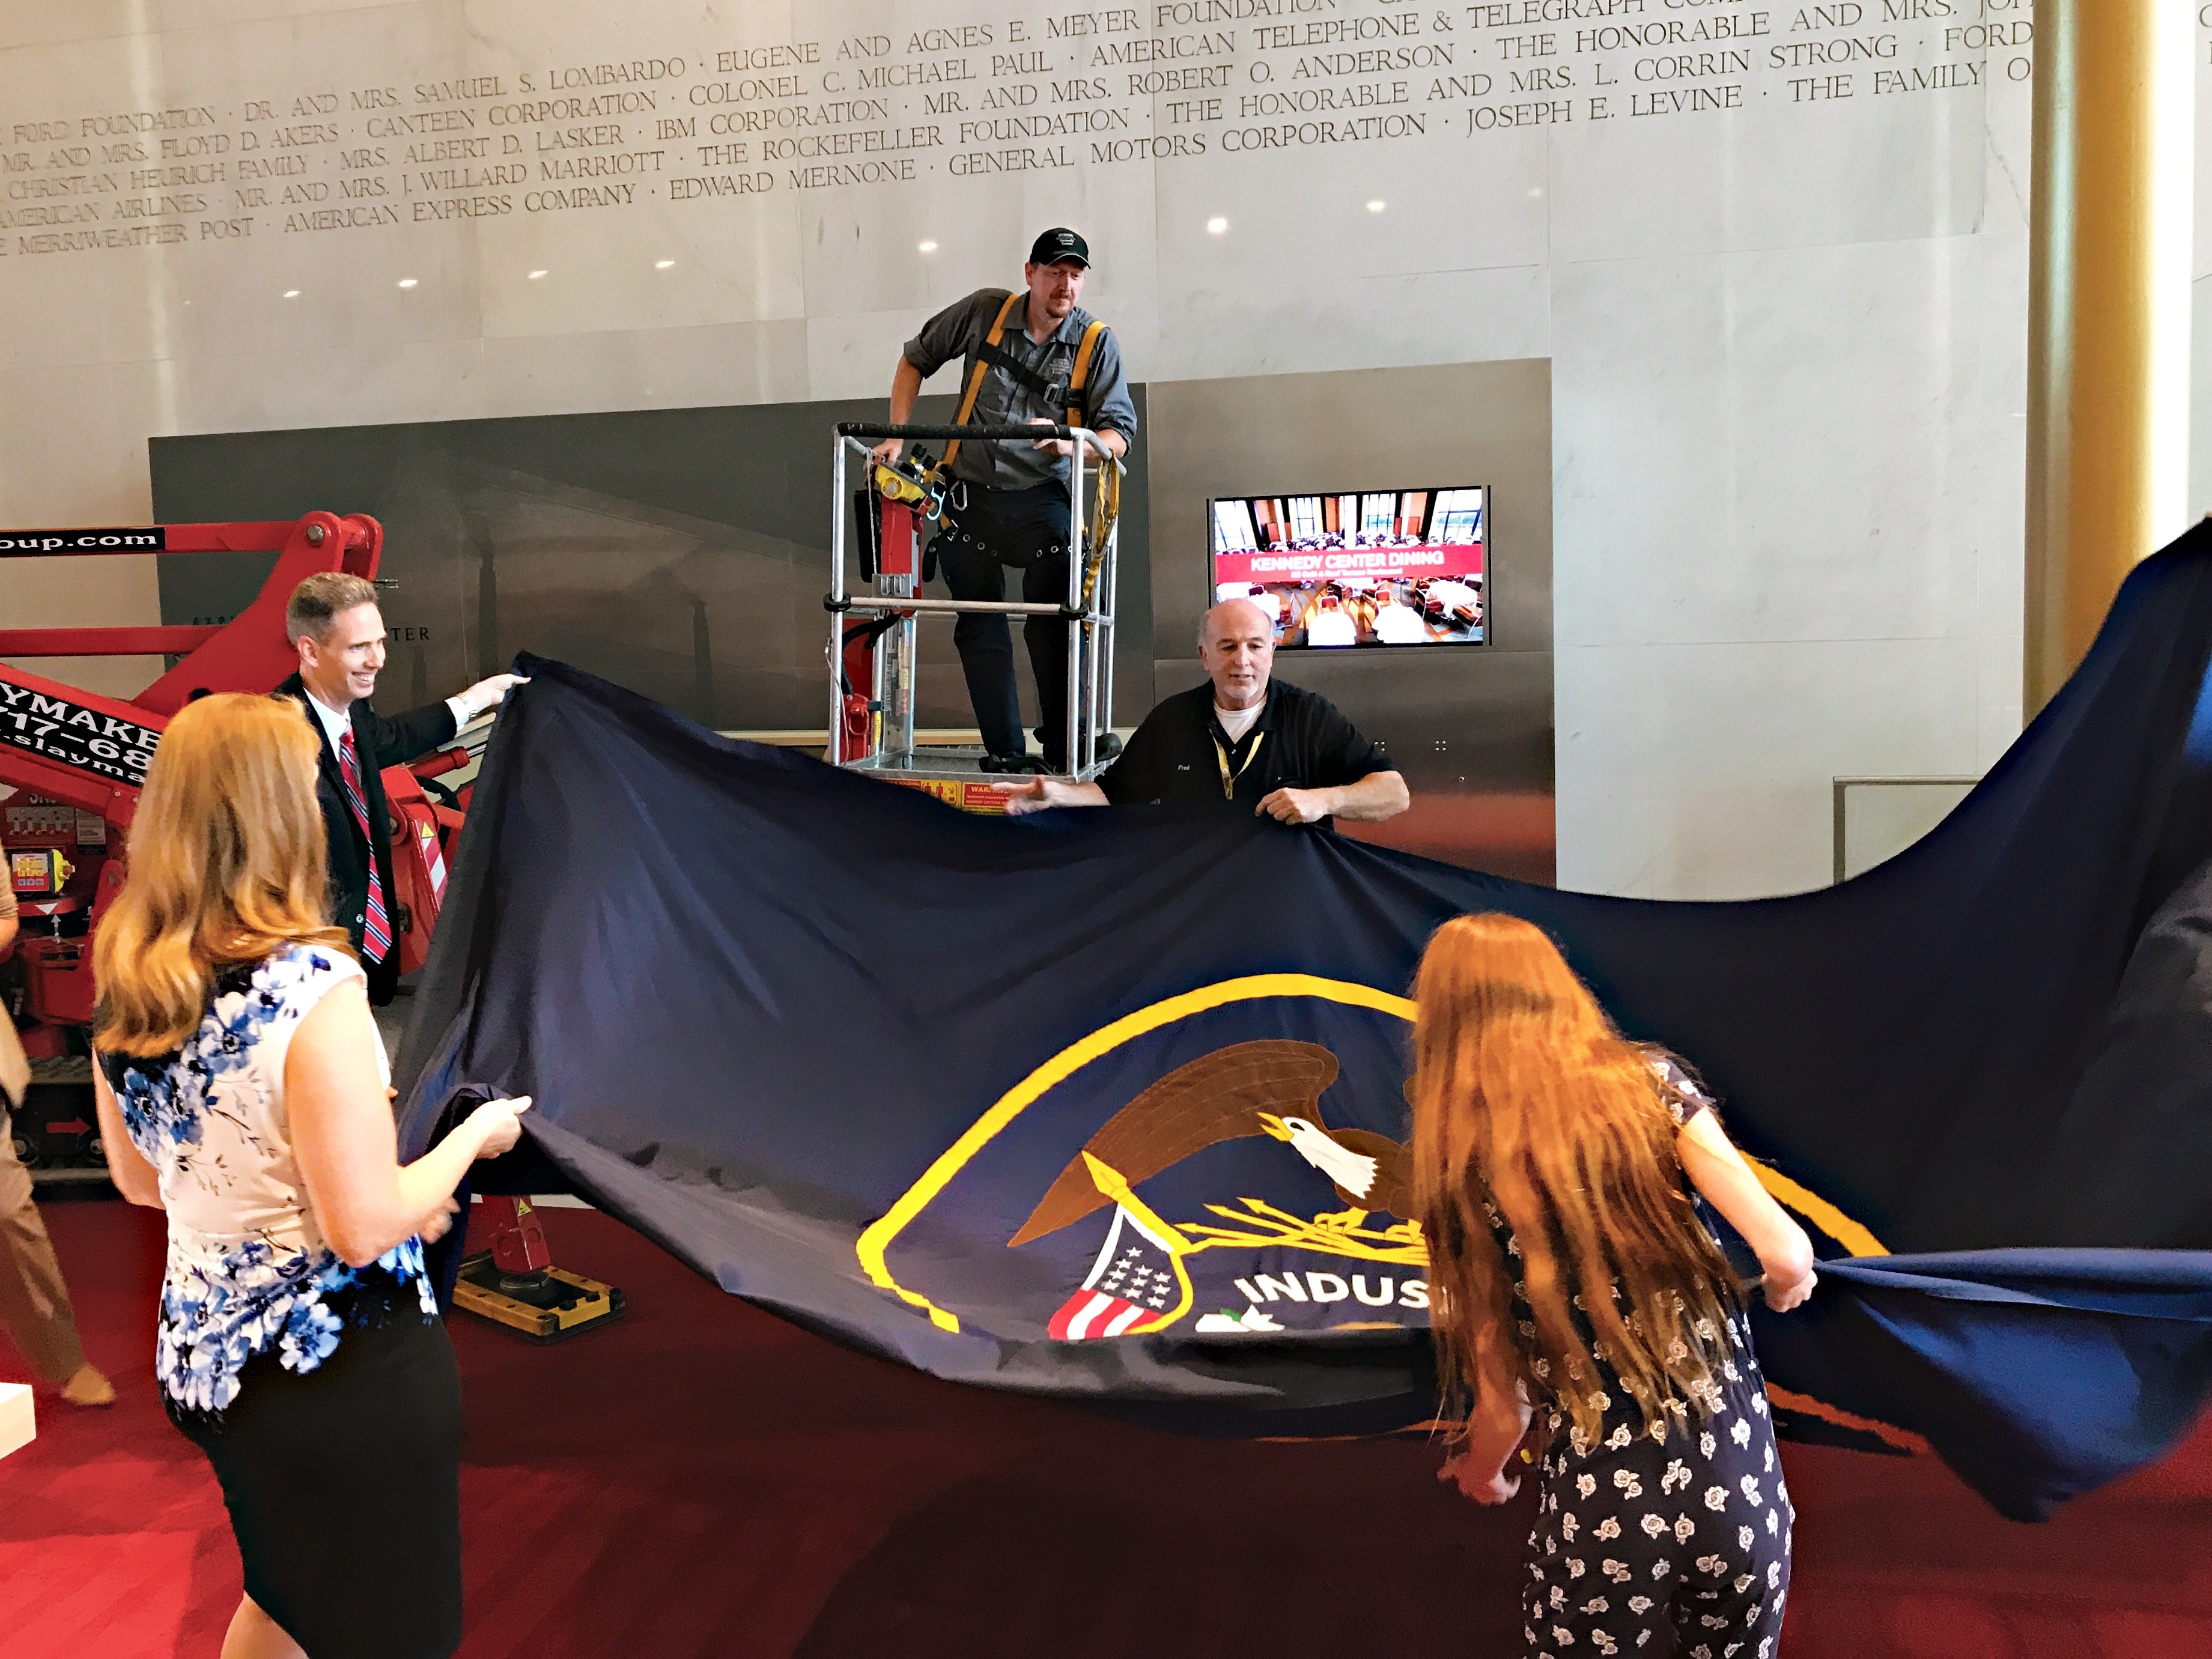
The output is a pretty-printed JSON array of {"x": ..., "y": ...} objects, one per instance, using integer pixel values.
[{"x": 1244, "y": 741}]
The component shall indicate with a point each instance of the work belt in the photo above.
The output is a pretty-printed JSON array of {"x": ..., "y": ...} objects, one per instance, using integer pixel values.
[{"x": 954, "y": 529}]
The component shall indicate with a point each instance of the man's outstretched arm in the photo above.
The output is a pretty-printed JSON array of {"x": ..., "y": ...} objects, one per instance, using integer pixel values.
[{"x": 1040, "y": 793}]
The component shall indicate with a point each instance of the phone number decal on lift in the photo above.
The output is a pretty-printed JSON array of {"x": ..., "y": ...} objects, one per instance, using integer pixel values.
[{"x": 74, "y": 736}]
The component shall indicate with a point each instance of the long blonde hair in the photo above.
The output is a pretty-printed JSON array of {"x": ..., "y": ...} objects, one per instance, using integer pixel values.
[
  {"x": 1525, "y": 1097},
  {"x": 226, "y": 865}
]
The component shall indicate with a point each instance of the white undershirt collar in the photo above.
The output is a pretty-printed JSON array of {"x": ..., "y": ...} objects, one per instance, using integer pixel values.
[{"x": 1238, "y": 721}]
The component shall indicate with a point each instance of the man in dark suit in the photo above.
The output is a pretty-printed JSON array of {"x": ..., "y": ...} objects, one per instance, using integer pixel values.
[{"x": 333, "y": 622}]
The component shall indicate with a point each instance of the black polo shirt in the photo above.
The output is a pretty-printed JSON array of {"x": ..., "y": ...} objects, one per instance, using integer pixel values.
[{"x": 1178, "y": 755}]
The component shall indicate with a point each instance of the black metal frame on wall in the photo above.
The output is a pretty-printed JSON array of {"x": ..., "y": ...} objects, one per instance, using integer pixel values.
[{"x": 682, "y": 553}]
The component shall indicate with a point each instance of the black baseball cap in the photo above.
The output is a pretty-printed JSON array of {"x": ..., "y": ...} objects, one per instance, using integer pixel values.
[{"x": 1058, "y": 245}]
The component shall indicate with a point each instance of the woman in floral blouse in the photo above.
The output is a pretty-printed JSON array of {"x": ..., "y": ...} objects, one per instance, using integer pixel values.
[
  {"x": 242, "y": 1088},
  {"x": 1573, "y": 1280}
]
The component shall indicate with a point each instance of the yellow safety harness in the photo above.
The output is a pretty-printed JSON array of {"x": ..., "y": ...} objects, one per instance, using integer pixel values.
[{"x": 1106, "y": 500}]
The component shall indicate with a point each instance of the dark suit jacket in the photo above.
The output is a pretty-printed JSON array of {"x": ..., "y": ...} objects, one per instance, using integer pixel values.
[{"x": 379, "y": 742}]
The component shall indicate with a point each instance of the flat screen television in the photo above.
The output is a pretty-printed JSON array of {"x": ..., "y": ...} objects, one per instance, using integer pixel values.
[{"x": 1370, "y": 568}]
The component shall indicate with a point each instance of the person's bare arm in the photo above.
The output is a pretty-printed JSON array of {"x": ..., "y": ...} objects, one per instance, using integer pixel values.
[
  {"x": 1497, "y": 1423},
  {"x": 133, "y": 1177},
  {"x": 7, "y": 926},
  {"x": 349, "y": 1147},
  {"x": 1040, "y": 793},
  {"x": 1378, "y": 795},
  {"x": 1730, "y": 1186},
  {"x": 906, "y": 386}
]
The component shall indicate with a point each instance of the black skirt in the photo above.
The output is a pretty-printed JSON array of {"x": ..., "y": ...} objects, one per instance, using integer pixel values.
[{"x": 344, "y": 1485}]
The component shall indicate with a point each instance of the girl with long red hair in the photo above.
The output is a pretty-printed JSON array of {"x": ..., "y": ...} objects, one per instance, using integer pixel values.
[{"x": 1558, "y": 1171}]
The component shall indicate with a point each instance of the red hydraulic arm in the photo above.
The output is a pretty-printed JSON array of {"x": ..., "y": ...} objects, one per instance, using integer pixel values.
[
  {"x": 89, "y": 750},
  {"x": 85, "y": 750},
  {"x": 247, "y": 653}
]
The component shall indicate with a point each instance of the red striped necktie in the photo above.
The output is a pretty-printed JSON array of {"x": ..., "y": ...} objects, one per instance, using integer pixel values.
[{"x": 376, "y": 930}]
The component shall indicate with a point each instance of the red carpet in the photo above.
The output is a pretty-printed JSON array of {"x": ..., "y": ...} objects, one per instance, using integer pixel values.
[{"x": 702, "y": 1479}]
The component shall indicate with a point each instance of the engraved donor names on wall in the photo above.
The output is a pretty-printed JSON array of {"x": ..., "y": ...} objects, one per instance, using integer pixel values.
[{"x": 698, "y": 121}]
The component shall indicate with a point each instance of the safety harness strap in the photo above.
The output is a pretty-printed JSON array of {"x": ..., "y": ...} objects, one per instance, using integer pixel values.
[
  {"x": 975, "y": 375},
  {"x": 1081, "y": 375},
  {"x": 1051, "y": 392},
  {"x": 1106, "y": 502}
]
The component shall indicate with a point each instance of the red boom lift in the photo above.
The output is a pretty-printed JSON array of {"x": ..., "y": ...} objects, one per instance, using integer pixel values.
[{"x": 77, "y": 761}]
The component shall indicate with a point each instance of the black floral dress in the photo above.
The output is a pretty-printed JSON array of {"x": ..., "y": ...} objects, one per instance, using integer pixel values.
[{"x": 1640, "y": 1533}]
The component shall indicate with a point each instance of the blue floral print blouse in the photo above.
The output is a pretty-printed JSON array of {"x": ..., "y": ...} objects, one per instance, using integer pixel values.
[{"x": 249, "y": 1270}]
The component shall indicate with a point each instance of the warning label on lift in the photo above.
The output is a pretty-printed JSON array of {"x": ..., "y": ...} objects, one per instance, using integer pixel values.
[
  {"x": 71, "y": 735},
  {"x": 958, "y": 791}
]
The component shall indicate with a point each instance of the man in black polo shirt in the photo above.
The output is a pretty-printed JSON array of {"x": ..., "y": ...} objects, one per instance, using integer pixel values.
[{"x": 1242, "y": 740}]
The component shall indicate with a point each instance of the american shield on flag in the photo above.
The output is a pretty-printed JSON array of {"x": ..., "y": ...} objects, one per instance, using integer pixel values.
[{"x": 1135, "y": 1280}]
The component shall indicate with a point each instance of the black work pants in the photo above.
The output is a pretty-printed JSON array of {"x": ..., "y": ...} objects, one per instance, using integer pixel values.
[{"x": 1027, "y": 529}]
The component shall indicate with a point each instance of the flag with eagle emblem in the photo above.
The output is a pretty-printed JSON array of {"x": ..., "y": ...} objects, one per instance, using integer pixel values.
[{"x": 1108, "y": 1103}]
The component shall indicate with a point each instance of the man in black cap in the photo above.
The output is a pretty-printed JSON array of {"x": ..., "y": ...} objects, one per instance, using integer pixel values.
[{"x": 1033, "y": 358}]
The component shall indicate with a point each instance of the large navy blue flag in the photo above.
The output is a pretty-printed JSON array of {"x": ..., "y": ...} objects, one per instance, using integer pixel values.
[{"x": 1108, "y": 1104}]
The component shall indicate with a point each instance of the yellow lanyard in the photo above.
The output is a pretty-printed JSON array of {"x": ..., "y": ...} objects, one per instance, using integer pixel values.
[{"x": 1228, "y": 778}]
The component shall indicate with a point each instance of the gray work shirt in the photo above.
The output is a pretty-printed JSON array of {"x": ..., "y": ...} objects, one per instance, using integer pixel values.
[{"x": 960, "y": 330}]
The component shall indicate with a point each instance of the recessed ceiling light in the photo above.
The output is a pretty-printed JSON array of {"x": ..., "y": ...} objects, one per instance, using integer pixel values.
[
  {"x": 291, "y": 292},
  {"x": 406, "y": 282},
  {"x": 925, "y": 248},
  {"x": 1216, "y": 225},
  {"x": 1534, "y": 193},
  {"x": 535, "y": 275},
  {"x": 1377, "y": 205},
  {"x": 662, "y": 264}
]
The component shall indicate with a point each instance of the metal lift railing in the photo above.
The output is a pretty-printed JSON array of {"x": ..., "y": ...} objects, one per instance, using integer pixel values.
[{"x": 887, "y": 746}]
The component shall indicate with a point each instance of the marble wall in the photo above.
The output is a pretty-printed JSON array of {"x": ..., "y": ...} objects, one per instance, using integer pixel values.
[{"x": 1776, "y": 254}]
